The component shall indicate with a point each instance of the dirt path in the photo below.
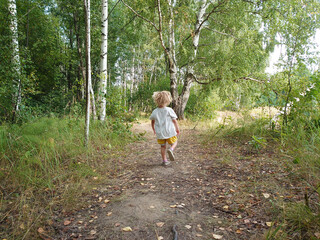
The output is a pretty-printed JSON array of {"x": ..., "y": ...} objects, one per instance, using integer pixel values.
[{"x": 216, "y": 191}]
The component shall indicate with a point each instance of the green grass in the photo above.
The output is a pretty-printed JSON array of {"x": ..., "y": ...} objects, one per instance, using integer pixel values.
[{"x": 44, "y": 164}]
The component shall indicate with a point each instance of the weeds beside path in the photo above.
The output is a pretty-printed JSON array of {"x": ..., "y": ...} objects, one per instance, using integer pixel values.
[{"x": 217, "y": 190}]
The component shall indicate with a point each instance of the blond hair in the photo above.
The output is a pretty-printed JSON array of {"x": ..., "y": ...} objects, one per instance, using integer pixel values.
[{"x": 162, "y": 99}]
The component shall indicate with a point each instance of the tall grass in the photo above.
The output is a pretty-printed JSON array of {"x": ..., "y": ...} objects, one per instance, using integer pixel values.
[{"x": 44, "y": 163}]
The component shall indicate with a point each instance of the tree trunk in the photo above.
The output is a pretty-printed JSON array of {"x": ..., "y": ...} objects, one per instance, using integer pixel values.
[
  {"x": 189, "y": 77},
  {"x": 93, "y": 103},
  {"x": 16, "y": 99},
  {"x": 172, "y": 64},
  {"x": 88, "y": 70},
  {"x": 103, "y": 62}
]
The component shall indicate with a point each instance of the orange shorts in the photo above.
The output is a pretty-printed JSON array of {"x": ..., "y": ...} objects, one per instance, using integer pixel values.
[{"x": 171, "y": 140}]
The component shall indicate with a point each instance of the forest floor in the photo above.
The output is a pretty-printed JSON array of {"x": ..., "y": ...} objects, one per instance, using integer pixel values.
[{"x": 216, "y": 189}]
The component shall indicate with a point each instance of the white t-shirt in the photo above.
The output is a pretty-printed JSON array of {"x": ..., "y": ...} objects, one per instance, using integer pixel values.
[{"x": 163, "y": 122}]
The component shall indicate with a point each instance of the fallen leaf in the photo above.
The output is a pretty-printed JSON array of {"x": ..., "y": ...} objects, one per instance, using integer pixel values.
[
  {"x": 127, "y": 229},
  {"x": 226, "y": 207},
  {"x": 266, "y": 195},
  {"x": 80, "y": 222},
  {"x": 106, "y": 201},
  {"x": 216, "y": 236},
  {"x": 173, "y": 206},
  {"x": 22, "y": 226},
  {"x": 198, "y": 235},
  {"x": 100, "y": 199},
  {"x": 93, "y": 232},
  {"x": 67, "y": 222},
  {"x": 117, "y": 224},
  {"x": 246, "y": 221},
  {"x": 109, "y": 214},
  {"x": 152, "y": 207},
  {"x": 40, "y": 230},
  {"x": 103, "y": 205},
  {"x": 160, "y": 238},
  {"x": 239, "y": 231},
  {"x": 317, "y": 235},
  {"x": 188, "y": 226},
  {"x": 269, "y": 224},
  {"x": 160, "y": 224}
]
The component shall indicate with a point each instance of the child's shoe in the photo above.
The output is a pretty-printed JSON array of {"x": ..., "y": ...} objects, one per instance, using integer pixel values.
[
  {"x": 170, "y": 154},
  {"x": 166, "y": 163}
]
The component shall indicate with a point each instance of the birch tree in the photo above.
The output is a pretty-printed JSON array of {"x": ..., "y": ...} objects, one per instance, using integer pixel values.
[
  {"x": 179, "y": 101},
  {"x": 15, "y": 56},
  {"x": 88, "y": 69},
  {"x": 103, "y": 61}
]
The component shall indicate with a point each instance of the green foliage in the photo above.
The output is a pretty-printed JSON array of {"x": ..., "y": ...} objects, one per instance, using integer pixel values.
[{"x": 257, "y": 142}]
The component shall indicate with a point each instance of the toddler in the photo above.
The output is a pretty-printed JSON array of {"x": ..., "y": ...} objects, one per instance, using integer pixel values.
[{"x": 164, "y": 124}]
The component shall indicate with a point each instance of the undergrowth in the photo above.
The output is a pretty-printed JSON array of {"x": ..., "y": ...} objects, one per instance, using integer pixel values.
[
  {"x": 44, "y": 164},
  {"x": 298, "y": 148}
]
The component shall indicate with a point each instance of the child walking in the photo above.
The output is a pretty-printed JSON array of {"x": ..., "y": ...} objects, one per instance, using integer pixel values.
[{"x": 164, "y": 124}]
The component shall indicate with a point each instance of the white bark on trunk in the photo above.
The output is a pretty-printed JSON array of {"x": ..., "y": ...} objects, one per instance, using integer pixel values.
[
  {"x": 15, "y": 55},
  {"x": 103, "y": 61},
  {"x": 93, "y": 103},
  {"x": 185, "y": 93},
  {"x": 172, "y": 59},
  {"x": 88, "y": 70}
]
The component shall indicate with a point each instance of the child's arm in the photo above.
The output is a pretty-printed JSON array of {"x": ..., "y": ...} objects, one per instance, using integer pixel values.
[
  {"x": 152, "y": 125},
  {"x": 175, "y": 123}
]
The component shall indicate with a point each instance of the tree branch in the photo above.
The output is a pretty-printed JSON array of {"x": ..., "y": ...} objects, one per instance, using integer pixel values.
[
  {"x": 206, "y": 19},
  {"x": 140, "y": 16},
  {"x": 222, "y": 33},
  {"x": 160, "y": 29}
]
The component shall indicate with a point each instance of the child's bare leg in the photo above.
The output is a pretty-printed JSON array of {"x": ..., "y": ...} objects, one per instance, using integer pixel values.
[
  {"x": 163, "y": 152},
  {"x": 173, "y": 146}
]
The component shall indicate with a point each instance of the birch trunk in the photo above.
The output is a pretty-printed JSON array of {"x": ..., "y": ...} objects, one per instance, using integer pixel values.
[
  {"x": 15, "y": 57},
  {"x": 189, "y": 77},
  {"x": 103, "y": 61},
  {"x": 88, "y": 70},
  {"x": 172, "y": 60}
]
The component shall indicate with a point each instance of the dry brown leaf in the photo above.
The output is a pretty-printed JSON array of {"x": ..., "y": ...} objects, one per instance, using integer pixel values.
[
  {"x": 127, "y": 229},
  {"x": 226, "y": 207},
  {"x": 40, "y": 230},
  {"x": 103, "y": 205},
  {"x": 216, "y": 236},
  {"x": 198, "y": 235},
  {"x": 239, "y": 231},
  {"x": 67, "y": 222},
  {"x": 266, "y": 195},
  {"x": 317, "y": 235},
  {"x": 109, "y": 214},
  {"x": 187, "y": 226},
  {"x": 106, "y": 201},
  {"x": 269, "y": 224},
  {"x": 160, "y": 224},
  {"x": 160, "y": 238},
  {"x": 173, "y": 206},
  {"x": 93, "y": 232},
  {"x": 152, "y": 207}
]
